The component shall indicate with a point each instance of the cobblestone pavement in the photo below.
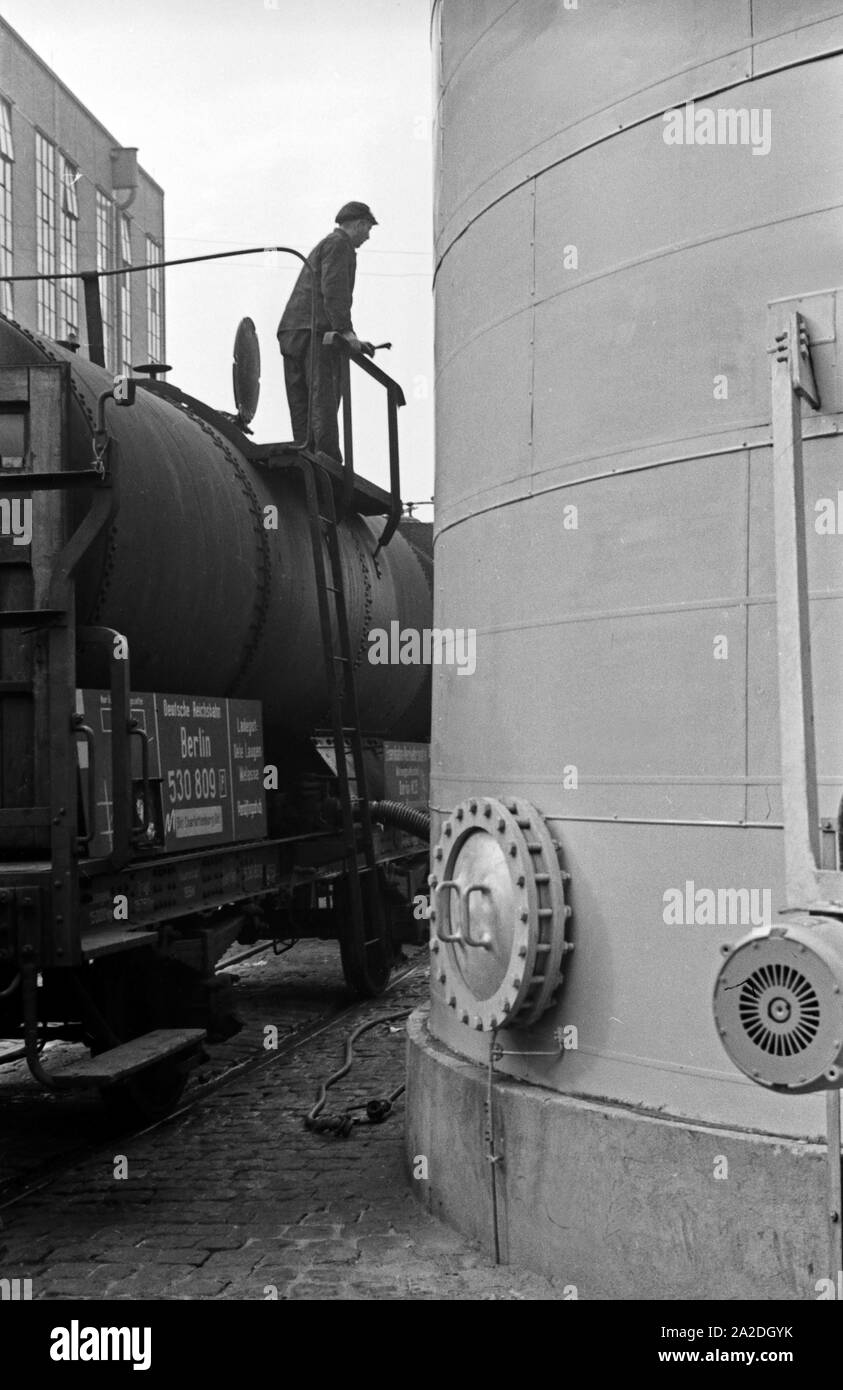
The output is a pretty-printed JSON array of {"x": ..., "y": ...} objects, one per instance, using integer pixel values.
[
  {"x": 292, "y": 990},
  {"x": 235, "y": 1199}
]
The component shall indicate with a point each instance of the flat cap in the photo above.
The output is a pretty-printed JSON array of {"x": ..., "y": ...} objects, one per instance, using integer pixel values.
[{"x": 349, "y": 211}]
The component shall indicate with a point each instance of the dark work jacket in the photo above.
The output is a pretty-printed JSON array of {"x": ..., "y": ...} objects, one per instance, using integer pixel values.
[{"x": 336, "y": 264}]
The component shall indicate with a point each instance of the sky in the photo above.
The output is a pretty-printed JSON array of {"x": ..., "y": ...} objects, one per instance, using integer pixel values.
[{"x": 260, "y": 118}]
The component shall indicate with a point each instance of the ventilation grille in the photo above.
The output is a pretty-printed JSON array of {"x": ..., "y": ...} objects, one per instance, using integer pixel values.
[{"x": 779, "y": 1010}]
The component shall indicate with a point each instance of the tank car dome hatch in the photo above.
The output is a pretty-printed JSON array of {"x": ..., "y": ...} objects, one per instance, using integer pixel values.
[
  {"x": 778, "y": 1005},
  {"x": 498, "y": 913},
  {"x": 246, "y": 370}
]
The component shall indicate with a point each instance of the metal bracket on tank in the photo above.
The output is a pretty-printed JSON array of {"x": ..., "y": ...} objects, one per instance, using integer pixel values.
[
  {"x": 807, "y": 885},
  {"x": 797, "y": 344},
  {"x": 777, "y": 997}
]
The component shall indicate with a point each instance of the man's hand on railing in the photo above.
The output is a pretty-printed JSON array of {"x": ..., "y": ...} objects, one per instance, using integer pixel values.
[{"x": 359, "y": 344}]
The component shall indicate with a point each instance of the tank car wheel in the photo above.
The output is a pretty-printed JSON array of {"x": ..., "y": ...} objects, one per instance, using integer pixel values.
[{"x": 366, "y": 964}]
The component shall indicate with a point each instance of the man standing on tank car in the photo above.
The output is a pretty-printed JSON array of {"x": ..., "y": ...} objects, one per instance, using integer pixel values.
[{"x": 335, "y": 263}]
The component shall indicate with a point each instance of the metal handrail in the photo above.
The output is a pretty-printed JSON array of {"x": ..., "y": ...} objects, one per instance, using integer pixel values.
[
  {"x": 107, "y": 639},
  {"x": 93, "y": 304},
  {"x": 394, "y": 395},
  {"x": 394, "y": 399}
]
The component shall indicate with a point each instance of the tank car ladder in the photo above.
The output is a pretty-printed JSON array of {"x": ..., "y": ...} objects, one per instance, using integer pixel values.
[{"x": 365, "y": 945}]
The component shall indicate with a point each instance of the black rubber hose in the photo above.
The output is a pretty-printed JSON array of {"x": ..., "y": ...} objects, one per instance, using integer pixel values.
[
  {"x": 345, "y": 1122},
  {"x": 403, "y": 817}
]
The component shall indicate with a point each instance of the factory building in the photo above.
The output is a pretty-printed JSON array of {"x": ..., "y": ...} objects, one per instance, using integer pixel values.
[{"x": 73, "y": 199}]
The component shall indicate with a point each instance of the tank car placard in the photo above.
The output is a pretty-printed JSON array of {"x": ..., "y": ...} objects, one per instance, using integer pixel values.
[
  {"x": 205, "y": 769},
  {"x": 406, "y": 773},
  {"x": 248, "y": 800},
  {"x": 94, "y": 707},
  {"x": 196, "y": 770},
  {"x": 395, "y": 771}
]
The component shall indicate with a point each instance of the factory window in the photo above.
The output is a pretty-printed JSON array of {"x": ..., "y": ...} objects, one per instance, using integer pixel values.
[
  {"x": 68, "y": 247},
  {"x": 6, "y": 147},
  {"x": 125, "y": 293},
  {"x": 105, "y": 261},
  {"x": 154, "y": 303},
  {"x": 45, "y": 233},
  {"x": 7, "y": 155}
]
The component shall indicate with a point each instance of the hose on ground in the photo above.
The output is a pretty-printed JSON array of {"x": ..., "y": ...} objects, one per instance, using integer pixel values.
[{"x": 376, "y": 1110}]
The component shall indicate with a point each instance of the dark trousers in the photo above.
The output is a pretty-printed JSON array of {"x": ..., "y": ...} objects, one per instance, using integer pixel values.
[{"x": 327, "y": 389}]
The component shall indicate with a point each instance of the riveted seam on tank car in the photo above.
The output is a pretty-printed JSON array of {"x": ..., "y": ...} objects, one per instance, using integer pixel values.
[{"x": 264, "y": 564}]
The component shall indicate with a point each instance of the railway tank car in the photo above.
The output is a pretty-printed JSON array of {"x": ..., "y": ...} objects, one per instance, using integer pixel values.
[
  {"x": 637, "y": 792},
  {"x": 195, "y": 746},
  {"x": 209, "y": 595}
]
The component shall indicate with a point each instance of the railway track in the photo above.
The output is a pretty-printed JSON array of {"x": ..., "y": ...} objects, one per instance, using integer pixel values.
[{"x": 43, "y": 1136}]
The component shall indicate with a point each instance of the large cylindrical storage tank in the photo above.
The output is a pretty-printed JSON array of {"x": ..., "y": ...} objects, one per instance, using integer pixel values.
[{"x": 604, "y": 521}]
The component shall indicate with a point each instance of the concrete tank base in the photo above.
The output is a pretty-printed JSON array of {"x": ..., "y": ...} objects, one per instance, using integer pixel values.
[{"x": 617, "y": 1203}]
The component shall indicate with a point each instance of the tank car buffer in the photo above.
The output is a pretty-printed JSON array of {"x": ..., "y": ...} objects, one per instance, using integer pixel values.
[{"x": 194, "y": 749}]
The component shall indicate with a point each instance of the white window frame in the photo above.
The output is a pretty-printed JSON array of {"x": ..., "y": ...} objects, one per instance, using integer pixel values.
[
  {"x": 125, "y": 295},
  {"x": 105, "y": 261},
  {"x": 7, "y": 161},
  {"x": 68, "y": 248},
  {"x": 154, "y": 303}
]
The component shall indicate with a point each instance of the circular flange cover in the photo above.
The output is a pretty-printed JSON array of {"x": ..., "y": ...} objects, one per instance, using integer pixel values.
[
  {"x": 498, "y": 913},
  {"x": 246, "y": 371}
]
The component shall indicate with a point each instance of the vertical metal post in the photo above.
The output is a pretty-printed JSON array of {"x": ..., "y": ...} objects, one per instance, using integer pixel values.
[
  {"x": 394, "y": 398},
  {"x": 835, "y": 1188},
  {"x": 93, "y": 317},
  {"x": 392, "y": 431},
  {"x": 347, "y": 429},
  {"x": 121, "y": 758},
  {"x": 314, "y": 349},
  {"x": 492, "y": 1156},
  {"x": 796, "y": 708},
  {"x": 54, "y": 675},
  {"x": 23, "y": 729}
]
